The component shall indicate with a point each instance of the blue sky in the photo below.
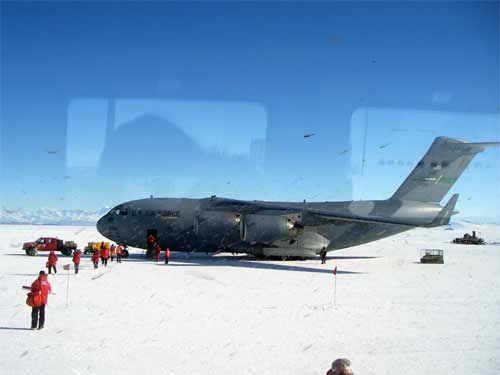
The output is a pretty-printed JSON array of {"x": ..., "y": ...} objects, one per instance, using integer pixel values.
[{"x": 105, "y": 102}]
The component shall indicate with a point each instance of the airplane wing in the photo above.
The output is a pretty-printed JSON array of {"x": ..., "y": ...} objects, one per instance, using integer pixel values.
[
  {"x": 311, "y": 217},
  {"x": 315, "y": 228},
  {"x": 328, "y": 217},
  {"x": 249, "y": 207}
]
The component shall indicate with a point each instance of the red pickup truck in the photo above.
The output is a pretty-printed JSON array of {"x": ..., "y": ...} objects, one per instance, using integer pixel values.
[{"x": 49, "y": 243}]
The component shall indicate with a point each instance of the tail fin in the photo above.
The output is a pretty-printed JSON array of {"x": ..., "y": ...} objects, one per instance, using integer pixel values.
[{"x": 439, "y": 169}]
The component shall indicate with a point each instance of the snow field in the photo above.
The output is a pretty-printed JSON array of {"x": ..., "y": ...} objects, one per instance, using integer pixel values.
[{"x": 224, "y": 314}]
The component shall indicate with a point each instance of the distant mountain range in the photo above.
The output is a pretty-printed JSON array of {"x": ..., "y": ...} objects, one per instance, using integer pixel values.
[
  {"x": 478, "y": 219},
  {"x": 50, "y": 216}
]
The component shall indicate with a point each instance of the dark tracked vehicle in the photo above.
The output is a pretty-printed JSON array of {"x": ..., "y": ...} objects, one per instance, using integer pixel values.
[{"x": 467, "y": 239}]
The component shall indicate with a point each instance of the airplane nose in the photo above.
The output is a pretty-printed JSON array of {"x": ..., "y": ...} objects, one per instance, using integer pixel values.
[{"x": 102, "y": 226}]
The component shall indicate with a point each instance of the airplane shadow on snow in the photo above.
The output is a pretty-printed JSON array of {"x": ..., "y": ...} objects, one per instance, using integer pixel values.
[
  {"x": 241, "y": 261},
  {"x": 15, "y": 328},
  {"x": 245, "y": 261}
]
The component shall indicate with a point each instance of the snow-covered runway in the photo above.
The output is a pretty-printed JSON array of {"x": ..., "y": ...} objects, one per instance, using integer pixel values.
[{"x": 227, "y": 315}]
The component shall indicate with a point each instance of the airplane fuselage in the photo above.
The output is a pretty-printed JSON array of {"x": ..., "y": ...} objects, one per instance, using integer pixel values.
[{"x": 186, "y": 224}]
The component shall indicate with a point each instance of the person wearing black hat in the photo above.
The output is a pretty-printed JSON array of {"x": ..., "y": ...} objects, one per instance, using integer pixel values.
[
  {"x": 40, "y": 286},
  {"x": 341, "y": 366}
]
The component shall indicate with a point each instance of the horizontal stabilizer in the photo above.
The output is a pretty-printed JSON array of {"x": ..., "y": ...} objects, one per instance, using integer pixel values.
[
  {"x": 484, "y": 144},
  {"x": 443, "y": 218}
]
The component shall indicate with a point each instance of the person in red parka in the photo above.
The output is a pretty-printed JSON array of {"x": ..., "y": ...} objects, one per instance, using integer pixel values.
[
  {"x": 167, "y": 255},
  {"x": 51, "y": 263},
  {"x": 95, "y": 258},
  {"x": 105, "y": 256},
  {"x": 119, "y": 254},
  {"x": 76, "y": 259},
  {"x": 157, "y": 253},
  {"x": 40, "y": 285},
  {"x": 112, "y": 251},
  {"x": 151, "y": 242}
]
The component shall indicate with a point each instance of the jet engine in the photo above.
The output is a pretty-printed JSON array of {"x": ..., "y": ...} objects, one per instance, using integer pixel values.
[
  {"x": 220, "y": 228},
  {"x": 269, "y": 228}
]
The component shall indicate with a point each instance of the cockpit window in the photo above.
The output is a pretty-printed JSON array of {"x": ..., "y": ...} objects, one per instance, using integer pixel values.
[{"x": 121, "y": 211}]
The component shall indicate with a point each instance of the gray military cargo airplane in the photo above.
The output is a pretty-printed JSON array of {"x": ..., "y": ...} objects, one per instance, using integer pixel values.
[{"x": 284, "y": 229}]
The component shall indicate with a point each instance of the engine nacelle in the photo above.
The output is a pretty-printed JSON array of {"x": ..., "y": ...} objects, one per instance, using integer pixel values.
[
  {"x": 269, "y": 228},
  {"x": 221, "y": 228}
]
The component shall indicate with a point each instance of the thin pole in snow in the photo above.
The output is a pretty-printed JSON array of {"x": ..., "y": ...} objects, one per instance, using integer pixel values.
[
  {"x": 335, "y": 287},
  {"x": 335, "y": 296},
  {"x": 67, "y": 287}
]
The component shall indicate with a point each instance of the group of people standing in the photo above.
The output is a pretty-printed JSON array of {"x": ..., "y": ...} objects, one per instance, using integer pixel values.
[
  {"x": 104, "y": 254},
  {"x": 154, "y": 250},
  {"x": 157, "y": 253}
]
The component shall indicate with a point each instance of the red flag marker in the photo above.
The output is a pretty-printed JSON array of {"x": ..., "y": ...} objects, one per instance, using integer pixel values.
[
  {"x": 66, "y": 267},
  {"x": 335, "y": 271}
]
